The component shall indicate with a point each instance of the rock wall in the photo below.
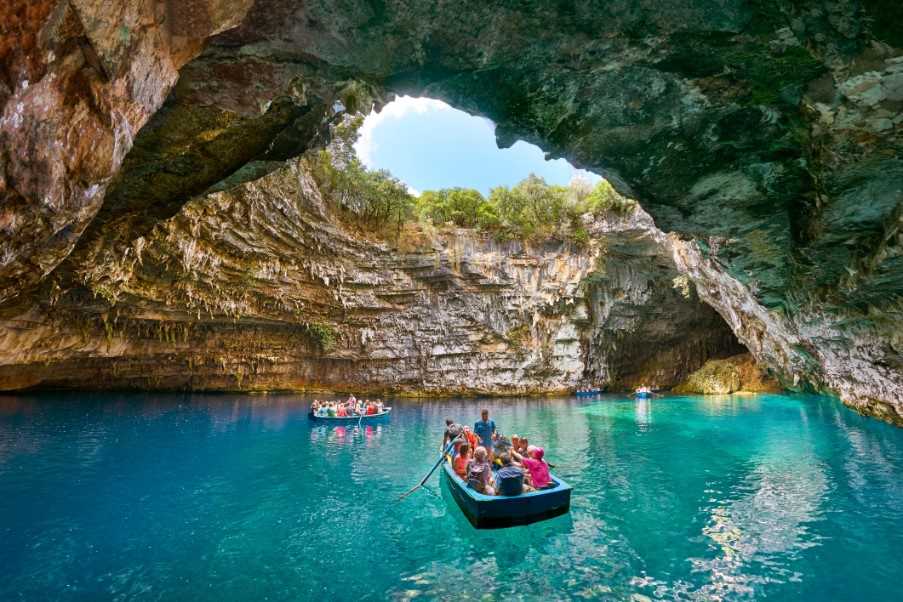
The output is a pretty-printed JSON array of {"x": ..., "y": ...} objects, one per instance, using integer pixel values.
[
  {"x": 765, "y": 136},
  {"x": 739, "y": 373},
  {"x": 78, "y": 79},
  {"x": 263, "y": 286}
]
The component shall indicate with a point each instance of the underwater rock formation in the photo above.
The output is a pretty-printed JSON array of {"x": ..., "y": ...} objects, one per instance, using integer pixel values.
[{"x": 764, "y": 136}]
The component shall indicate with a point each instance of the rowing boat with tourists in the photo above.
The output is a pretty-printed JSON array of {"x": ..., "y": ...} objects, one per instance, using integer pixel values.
[
  {"x": 349, "y": 410},
  {"x": 498, "y": 481}
]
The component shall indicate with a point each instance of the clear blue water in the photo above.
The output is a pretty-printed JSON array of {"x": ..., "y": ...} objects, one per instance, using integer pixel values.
[{"x": 127, "y": 496}]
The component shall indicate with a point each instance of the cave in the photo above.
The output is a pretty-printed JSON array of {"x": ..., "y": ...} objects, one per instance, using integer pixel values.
[
  {"x": 242, "y": 358},
  {"x": 161, "y": 184},
  {"x": 223, "y": 269}
]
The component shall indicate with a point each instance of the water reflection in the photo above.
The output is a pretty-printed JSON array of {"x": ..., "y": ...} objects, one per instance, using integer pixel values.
[
  {"x": 341, "y": 434},
  {"x": 765, "y": 520},
  {"x": 643, "y": 412}
]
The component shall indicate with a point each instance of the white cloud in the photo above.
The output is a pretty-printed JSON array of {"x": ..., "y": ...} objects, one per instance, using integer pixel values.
[{"x": 399, "y": 108}]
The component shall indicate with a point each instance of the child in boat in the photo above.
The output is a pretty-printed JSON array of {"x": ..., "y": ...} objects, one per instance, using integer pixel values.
[
  {"x": 479, "y": 472},
  {"x": 462, "y": 460}
]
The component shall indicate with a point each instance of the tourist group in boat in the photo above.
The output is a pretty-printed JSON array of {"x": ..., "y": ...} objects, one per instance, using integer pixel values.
[
  {"x": 350, "y": 408},
  {"x": 642, "y": 392},
  {"x": 493, "y": 464}
]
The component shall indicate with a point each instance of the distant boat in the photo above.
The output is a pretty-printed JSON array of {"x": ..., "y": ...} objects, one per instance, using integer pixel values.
[
  {"x": 494, "y": 511},
  {"x": 588, "y": 392},
  {"x": 642, "y": 394},
  {"x": 355, "y": 418}
]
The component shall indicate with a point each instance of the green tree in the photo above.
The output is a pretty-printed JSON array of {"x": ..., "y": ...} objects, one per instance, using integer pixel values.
[
  {"x": 464, "y": 207},
  {"x": 605, "y": 198},
  {"x": 376, "y": 197}
]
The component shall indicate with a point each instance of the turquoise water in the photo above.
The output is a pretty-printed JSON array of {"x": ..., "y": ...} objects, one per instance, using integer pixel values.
[{"x": 170, "y": 497}]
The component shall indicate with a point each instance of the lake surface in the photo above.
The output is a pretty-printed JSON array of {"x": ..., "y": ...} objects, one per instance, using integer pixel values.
[{"x": 236, "y": 497}]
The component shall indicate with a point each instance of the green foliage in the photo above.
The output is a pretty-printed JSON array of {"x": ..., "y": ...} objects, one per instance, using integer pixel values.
[
  {"x": 604, "y": 198},
  {"x": 530, "y": 210},
  {"x": 375, "y": 198},
  {"x": 519, "y": 336},
  {"x": 462, "y": 206},
  {"x": 323, "y": 335},
  {"x": 580, "y": 236}
]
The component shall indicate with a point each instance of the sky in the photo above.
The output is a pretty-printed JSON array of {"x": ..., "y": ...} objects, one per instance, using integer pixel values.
[{"x": 429, "y": 145}]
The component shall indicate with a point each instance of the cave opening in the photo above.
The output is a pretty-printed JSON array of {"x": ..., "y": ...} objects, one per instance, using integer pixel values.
[
  {"x": 644, "y": 323},
  {"x": 239, "y": 223},
  {"x": 784, "y": 224},
  {"x": 430, "y": 145}
]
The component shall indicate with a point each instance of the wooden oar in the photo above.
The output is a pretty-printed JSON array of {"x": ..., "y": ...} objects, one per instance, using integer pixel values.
[{"x": 432, "y": 470}]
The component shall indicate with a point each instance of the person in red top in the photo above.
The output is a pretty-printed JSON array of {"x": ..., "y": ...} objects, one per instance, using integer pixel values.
[
  {"x": 341, "y": 413},
  {"x": 371, "y": 409},
  {"x": 462, "y": 460},
  {"x": 471, "y": 437}
]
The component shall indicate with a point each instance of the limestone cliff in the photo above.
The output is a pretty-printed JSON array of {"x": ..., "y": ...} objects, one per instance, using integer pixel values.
[
  {"x": 263, "y": 286},
  {"x": 764, "y": 136}
]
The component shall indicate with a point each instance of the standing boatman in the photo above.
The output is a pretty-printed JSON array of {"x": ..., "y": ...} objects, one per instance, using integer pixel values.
[{"x": 485, "y": 430}]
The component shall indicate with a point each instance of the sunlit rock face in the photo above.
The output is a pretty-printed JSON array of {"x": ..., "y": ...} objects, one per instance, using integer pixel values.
[
  {"x": 765, "y": 135},
  {"x": 262, "y": 286},
  {"x": 739, "y": 373}
]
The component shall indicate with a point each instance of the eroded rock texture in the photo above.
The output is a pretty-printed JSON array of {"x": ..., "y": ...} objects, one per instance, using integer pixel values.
[
  {"x": 739, "y": 373},
  {"x": 262, "y": 286},
  {"x": 764, "y": 135},
  {"x": 78, "y": 80}
]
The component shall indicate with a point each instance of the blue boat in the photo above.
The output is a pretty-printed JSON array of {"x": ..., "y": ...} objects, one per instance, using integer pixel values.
[
  {"x": 642, "y": 394},
  {"x": 365, "y": 417},
  {"x": 589, "y": 393},
  {"x": 495, "y": 511}
]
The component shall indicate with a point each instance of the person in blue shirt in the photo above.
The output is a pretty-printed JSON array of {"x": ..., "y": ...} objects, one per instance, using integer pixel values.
[
  {"x": 485, "y": 430},
  {"x": 510, "y": 478}
]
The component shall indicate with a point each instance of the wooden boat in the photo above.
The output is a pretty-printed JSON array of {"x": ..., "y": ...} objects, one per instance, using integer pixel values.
[
  {"x": 590, "y": 393},
  {"x": 365, "y": 417},
  {"x": 494, "y": 511}
]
